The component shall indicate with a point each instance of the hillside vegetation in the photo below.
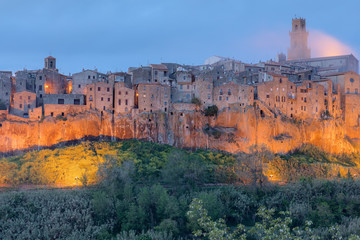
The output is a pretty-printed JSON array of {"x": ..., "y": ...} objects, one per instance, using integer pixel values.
[
  {"x": 141, "y": 190},
  {"x": 80, "y": 164}
]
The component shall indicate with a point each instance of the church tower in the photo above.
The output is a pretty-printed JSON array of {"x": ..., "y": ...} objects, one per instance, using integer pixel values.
[
  {"x": 298, "y": 40},
  {"x": 50, "y": 63}
]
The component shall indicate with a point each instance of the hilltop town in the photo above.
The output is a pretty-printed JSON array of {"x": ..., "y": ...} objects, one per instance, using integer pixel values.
[{"x": 296, "y": 87}]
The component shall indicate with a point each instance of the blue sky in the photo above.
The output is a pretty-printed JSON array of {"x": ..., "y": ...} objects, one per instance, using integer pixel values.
[{"x": 114, "y": 35}]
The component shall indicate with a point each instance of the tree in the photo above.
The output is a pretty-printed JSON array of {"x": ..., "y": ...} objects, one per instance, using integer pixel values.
[{"x": 211, "y": 110}]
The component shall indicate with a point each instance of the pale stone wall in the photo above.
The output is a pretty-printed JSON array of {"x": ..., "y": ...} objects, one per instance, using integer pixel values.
[
  {"x": 23, "y": 102},
  {"x": 153, "y": 97},
  {"x": 81, "y": 79},
  {"x": 124, "y": 99},
  {"x": 35, "y": 114},
  {"x": 56, "y": 110},
  {"x": 99, "y": 96}
]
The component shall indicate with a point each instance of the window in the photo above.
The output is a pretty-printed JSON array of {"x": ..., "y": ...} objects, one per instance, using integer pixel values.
[
  {"x": 229, "y": 91},
  {"x": 209, "y": 96},
  {"x": 304, "y": 108},
  {"x": 220, "y": 98},
  {"x": 90, "y": 89},
  {"x": 126, "y": 93},
  {"x": 187, "y": 86},
  {"x": 40, "y": 95},
  {"x": 119, "y": 101},
  {"x": 79, "y": 86},
  {"x": 108, "y": 99},
  {"x": 61, "y": 101},
  {"x": 165, "y": 103},
  {"x": 20, "y": 106},
  {"x": 99, "y": 89},
  {"x": 144, "y": 88},
  {"x": 280, "y": 80},
  {"x": 291, "y": 87},
  {"x": 93, "y": 77},
  {"x": 62, "y": 114},
  {"x": 108, "y": 89},
  {"x": 126, "y": 102},
  {"x": 40, "y": 87},
  {"x": 89, "y": 77},
  {"x": 76, "y": 101},
  {"x": 348, "y": 90},
  {"x": 52, "y": 114},
  {"x": 6, "y": 93},
  {"x": 102, "y": 99},
  {"x": 304, "y": 99},
  {"x": 40, "y": 77},
  {"x": 156, "y": 72},
  {"x": 181, "y": 86},
  {"x": 227, "y": 99},
  {"x": 267, "y": 96},
  {"x": 221, "y": 92},
  {"x": 90, "y": 98}
]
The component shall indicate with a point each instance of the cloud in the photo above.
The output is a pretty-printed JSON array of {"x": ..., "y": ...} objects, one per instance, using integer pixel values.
[{"x": 324, "y": 45}]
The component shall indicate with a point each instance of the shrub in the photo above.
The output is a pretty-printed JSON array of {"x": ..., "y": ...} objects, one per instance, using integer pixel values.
[{"x": 211, "y": 110}]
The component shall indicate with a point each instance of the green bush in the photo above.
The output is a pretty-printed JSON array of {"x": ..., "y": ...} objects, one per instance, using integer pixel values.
[{"x": 211, "y": 110}]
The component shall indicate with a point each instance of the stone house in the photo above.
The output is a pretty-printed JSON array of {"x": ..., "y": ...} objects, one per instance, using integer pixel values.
[
  {"x": 5, "y": 88},
  {"x": 203, "y": 89},
  {"x": 152, "y": 97},
  {"x": 99, "y": 96},
  {"x": 230, "y": 93},
  {"x": 141, "y": 75},
  {"x": 123, "y": 98},
  {"x": 310, "y": 100},
  {"x": 278, "y": 95},
  {"x": 23, "y": 102},
  {"x": 82, "y": 79},
  {"x": 183, "y": 90},
  {"x": 64, "y": 99},
  {"x": 160, "y": 73},
  {"x": 120, "y": 77}
]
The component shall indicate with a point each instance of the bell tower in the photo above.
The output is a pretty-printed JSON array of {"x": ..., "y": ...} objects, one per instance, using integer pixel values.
[
  {"x": 298, "y": 40},
  {"x": 50, "y": 63}
]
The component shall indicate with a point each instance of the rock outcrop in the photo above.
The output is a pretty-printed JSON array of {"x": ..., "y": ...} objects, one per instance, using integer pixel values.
[{"x": 232, "y": 130}]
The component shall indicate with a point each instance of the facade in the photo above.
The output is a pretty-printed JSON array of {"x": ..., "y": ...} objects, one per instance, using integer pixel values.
[
  {"x": 325, "y": 65},
  {"x": 231, "y": 93},
  {"x": 82, "y": 79},
  {"x": 24, "y": 102},
  {"x": 99, "y": 96},
  {"x": 124, "y": 98},
  {"x": 5, "y": 89},
  {"x": 153, "y": 97},
  {"x": 120, "y": 77},
  {"x": 64, "y": 99},
  {"x": 298, "y": 40}
]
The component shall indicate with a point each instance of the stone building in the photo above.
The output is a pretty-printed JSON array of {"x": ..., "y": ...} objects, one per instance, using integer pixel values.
[
  {"x": 64, "y": 99},
  {"x": 203, "y": 89},
  {"x": 298, "y": 40},
  {"x": 160, "y": 73},
  {"x": 24, "y": 102},
  {"x": 25, "y": 80},
  {"x": 82, "y": 79},
  {"x": 310, "y": 100},
  {"x": 152, "y": 97},
  {"x": 279, "y": 95},
  {"x": 230, "y": 93},
  {"x": 120, "y": 77},
  {"x": 141, "y": 74},
  {"x": 99, "y": 96},
  {"x": 333, "y": 64},
  {"x": 123, "y": 98},
  {"x": 183, "y": 90},
  {"x": 5, "y": 89}
]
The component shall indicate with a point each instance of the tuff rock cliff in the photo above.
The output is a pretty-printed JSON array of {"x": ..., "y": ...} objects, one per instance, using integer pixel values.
[{"x": 232, "y": 130}]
